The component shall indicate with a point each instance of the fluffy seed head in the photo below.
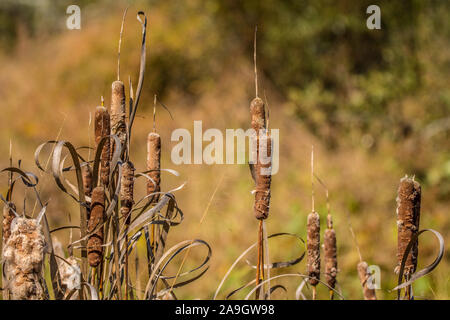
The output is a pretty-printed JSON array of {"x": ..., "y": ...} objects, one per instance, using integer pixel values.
[{"x": 24, "y": 255}]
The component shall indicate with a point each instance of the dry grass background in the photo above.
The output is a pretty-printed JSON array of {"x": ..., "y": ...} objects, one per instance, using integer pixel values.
[{"x": 50, "y": 86}]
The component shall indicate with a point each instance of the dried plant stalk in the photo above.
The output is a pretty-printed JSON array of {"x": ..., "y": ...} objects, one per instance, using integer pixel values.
[
  {"x": 24, "y": 255},
  {"x": 330, "y": 253},
  {"x": 369, "y": 294},
  {"x": 408, "y": 216},
  {"x": 95, "y": 241},
  {"x": 86, "y": 174},
  {"x": 118, "y": 126},
  {"x": 154, "y": 164},
  {"x": 263, "y": 178},
  {"x": 8, "y": 217},
  {"x": 102, "y": 129},
  {"x": 313, "y": 248},
  {"x": 126, "y": 190}
]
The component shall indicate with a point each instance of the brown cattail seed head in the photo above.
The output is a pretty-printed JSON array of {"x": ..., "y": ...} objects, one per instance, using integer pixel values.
[
  {"x": 126, "y": 190},
  {"x": 313, "y": 248},
  {"x": 258, "y": 114},
  {"x": 8, "y": 217},
  {"x": 369, "y": 294},
  {"x": 154, "y": 164},
  {"x": 330, "y": 253},
  {"x": 86, "y": 174},
  {"x": 24, "y": 255},
  {"x": 263, "y": 178},
  {"x": 408, "y": 216},
  {"x": 102, "y": 129},
  {"x": 95, "y": 240},
  {"x": 118, "y": 126}
]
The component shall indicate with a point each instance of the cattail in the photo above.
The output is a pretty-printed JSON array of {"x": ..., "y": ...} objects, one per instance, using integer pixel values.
[
  {"x": 118, "y": 126},
  {"x": 257, "y": 111},
  {"x": 86, "y": 174},
  {"x": 126, "y": 190},
  {"x": 369, "y": 294},
  {"x": 70, "y": 273},
  {"x": 313, "y": 248},
  {"x": 8, "y": 217},
  {"x": 24, "y": 255},
  {"x": 263, "y": 178},
  {"x": 95, "y": 241},
  {"x": 408, "y": 216},
  {"x": 330, "y": 254},
  {"x": 102, "y": 129},
  {"x": 69, "y": 270},
  {"x": 261, "y": 142},
  {"x": 154, "y": 164},
  {"x": 258, "y": 123}
]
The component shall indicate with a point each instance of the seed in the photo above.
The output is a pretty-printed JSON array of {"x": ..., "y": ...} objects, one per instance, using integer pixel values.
[
  {"x": 408, "y": 216},
  {"x": 313, "y": 248},
  {"x": 95, "y": 240},
  {"x": 369, "y": 294}
]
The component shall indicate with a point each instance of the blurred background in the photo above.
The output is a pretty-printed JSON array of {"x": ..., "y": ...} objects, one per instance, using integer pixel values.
[{"x": 374, "y": 103}]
